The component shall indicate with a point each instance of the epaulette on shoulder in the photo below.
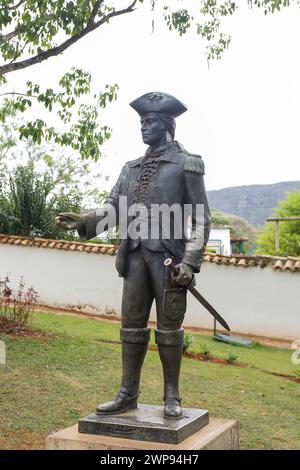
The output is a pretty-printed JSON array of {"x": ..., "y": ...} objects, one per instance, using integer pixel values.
[
  {"x": 135, "y": 162},
  {"x": 194, "y": 163}
]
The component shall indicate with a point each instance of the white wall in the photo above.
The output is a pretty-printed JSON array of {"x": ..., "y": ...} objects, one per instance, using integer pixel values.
[
  {"x": 252, "y": 300},
  {"x": 65, "y": 279},
  {"x": 222, "y": 234}
]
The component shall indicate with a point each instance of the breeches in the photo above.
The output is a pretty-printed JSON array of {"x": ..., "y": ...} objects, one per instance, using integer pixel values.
[{"x": 147, "y": 279}]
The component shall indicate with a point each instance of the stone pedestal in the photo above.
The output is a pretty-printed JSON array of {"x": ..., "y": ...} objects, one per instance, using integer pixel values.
[
  {"x": 218, "y": 434},
  {"x": 146, "y": 423}
]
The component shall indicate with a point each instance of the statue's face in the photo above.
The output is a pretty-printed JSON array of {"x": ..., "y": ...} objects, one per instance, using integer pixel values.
[{"x": 153, "y": 129}]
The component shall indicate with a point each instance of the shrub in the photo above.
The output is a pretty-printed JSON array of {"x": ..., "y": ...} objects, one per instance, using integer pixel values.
[
  {"x": 29, "y": 204},
  {"x": 16, "y": 308},
  {"x": 205, "y": 351},
  {"x": 231, "y": 357},
  {"x": 187, "y": 342}
]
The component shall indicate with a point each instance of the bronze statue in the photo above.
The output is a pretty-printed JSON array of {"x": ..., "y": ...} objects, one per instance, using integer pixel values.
[{"x": 167, "y": 174}]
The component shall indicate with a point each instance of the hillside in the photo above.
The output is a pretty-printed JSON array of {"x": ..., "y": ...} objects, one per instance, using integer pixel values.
[{"x": 255, "y": 203}]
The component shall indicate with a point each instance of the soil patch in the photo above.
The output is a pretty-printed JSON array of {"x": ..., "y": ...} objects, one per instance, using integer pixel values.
[
  {"x": 216, "y": 360},
  {"x": 283, "y": 376},
  {"x": 9, "y": 328}
]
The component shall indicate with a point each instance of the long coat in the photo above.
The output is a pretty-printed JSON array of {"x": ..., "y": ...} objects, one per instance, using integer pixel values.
[{"x": 178, "y": 179}]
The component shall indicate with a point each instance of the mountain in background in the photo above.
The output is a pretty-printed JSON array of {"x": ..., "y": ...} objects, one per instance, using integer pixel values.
[{"x": 255, "y": 202}]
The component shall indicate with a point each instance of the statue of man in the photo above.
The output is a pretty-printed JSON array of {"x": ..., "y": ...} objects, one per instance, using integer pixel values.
[{"x": 168, "y": 175}]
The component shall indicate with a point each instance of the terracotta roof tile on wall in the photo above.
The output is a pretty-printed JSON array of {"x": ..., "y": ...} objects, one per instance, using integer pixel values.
[
  {"x": 278, "y": 263},
  {"x": 289, "y": 264},
  {"x": 58, "y": 244}
]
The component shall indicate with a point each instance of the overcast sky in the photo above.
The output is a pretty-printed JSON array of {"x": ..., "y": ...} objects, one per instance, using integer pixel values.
[{"x": 243, "y": 114}]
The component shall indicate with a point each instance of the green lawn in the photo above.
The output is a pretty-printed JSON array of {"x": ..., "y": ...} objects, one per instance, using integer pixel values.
[{"x": 47, "y": 384}]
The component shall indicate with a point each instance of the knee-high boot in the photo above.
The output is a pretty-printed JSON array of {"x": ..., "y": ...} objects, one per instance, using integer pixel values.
[
  {"x": 170, "y": 347},
  {"x": 134, "y": 347}
]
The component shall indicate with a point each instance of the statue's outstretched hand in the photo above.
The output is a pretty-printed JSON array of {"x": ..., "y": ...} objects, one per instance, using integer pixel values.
[{"x": 68, "y": 220}]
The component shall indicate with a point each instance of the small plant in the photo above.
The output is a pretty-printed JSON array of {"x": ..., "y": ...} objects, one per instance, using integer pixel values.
[
  {"x": 297, "y": 373},
  {"x": 16, "y": 308},
  {"x": 231, "y": 357},
  {"x": 205, "y": 351},
  {"x": 187, "y": 342}
]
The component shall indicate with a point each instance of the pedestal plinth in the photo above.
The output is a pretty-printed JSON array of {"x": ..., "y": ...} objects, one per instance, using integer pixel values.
[
  {"x": 146, "y": 423},
  {"x": 146, "y": 429}
]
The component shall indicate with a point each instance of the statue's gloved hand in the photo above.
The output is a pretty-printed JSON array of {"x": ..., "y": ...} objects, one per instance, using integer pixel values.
[
  {"x": 69, "y": 221},
  {"x": 184, "y": 276}
]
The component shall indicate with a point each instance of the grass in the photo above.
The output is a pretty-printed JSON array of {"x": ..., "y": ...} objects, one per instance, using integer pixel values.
[{"x": 48, "y": 383}]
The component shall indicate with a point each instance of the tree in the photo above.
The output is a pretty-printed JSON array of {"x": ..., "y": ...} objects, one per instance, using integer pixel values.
[
  {"x": 63, "y": 167},
  {"x": 289, "y": 232},
  {"x": 31, "y": 31},
  {"x": 34, "y": 26},
  {"x": 28, "y": 204},
  {"x": 82, "y": 133},
  {"x": 65, "y": 171},
  {"x": 8, "y": 136},
  {"x": 39, "y": 181}
]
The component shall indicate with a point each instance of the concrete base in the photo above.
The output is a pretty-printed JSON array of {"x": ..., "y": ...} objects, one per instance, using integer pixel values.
[{"x": 219, "y": 434}]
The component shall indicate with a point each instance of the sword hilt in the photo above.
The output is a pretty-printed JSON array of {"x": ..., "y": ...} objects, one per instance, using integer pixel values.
[{"x": 169, "y": 262}]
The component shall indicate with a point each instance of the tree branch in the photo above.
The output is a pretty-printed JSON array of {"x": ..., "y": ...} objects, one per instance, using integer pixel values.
[
  {"x": 13, "y": 7},
  {"x": 94, "y": 12},
  {"x": 19, "y": 52},
  {"x": 13, "y": 34},
  {"x": 55, "y": 51},
  {"x": 9, "y": 36},
  {"x": 3, "y": 155},
  {"x": 18, "y": 94},
  {"x": 106, "y": 18}
]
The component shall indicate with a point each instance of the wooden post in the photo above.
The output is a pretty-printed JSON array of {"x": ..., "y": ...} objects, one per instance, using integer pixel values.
[
  {"x": 277, "y": 220},
  {"x": 277, "y": 236}
]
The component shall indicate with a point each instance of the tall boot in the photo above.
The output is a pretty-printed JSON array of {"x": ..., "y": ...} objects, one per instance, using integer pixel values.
[
  {"x": 134, "y": 347},
  {"x": 170, "y": 347}
]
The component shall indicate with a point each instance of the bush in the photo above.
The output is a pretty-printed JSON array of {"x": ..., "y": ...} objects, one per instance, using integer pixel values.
[
  {"x": 205, "y": 351},
  {"x": 29, "y": 204},
  {"x": 231, "y": 357},
  {"x": 187, "y": 342},
  {"x": 16, "y": 308}
]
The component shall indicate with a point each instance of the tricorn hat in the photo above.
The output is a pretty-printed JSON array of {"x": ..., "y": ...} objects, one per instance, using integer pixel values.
[{"x": 158, "y": 102}]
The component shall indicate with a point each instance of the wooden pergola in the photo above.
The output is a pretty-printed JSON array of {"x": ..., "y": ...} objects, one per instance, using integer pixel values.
[{"x": 277, "y": 220}]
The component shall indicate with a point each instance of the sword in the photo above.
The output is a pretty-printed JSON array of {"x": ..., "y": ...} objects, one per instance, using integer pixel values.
[{"x": 199, "y": 297}]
